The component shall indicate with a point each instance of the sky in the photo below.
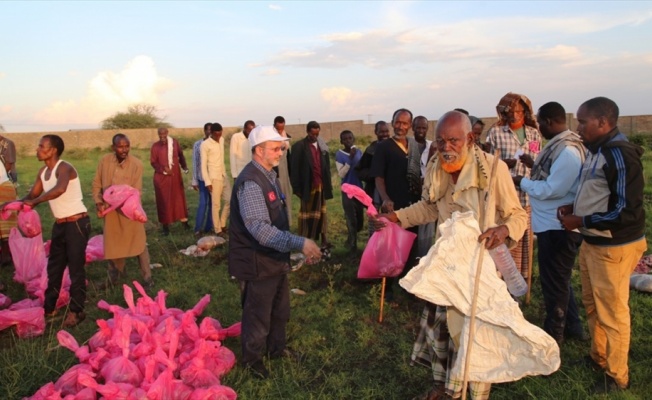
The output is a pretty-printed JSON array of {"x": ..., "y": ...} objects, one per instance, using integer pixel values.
[{"x": 70, "y": 65}]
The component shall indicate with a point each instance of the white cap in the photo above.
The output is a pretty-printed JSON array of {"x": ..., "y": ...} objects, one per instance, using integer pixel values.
[{"x": 262, "y": 134}]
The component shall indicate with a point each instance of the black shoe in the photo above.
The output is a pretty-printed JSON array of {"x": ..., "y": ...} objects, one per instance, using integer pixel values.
[
  {"x": 73, "y": 319},
  {"x": 606, "y": 385},
  {"x": 258, "y": 370},
  {"x": 186, "y": 225},
  {"x": 148, "y": 284},
  {"x": 587, "y": 362},
  {"x": 165, "y": 231},
  {"x": 580, "y": 336},
  {"x": 289, "y": 354}
]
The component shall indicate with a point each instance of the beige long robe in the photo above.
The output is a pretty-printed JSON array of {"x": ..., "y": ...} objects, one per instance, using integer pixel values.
[{"x": 122, "y": 236}]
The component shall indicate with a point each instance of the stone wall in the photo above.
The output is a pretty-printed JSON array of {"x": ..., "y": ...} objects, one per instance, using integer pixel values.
[{"x": 143, "y": 138}]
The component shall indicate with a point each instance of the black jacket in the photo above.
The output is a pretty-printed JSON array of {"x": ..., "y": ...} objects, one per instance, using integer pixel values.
[{"x": 301, "y": 177}]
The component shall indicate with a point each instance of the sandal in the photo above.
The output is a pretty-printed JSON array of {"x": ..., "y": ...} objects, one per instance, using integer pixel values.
[{"x": 73, "y": 319}]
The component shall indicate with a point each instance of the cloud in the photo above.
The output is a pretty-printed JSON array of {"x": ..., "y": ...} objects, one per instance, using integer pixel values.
[
  {"x": 336, "y": 96},
  {"x": 109, "y": 92},
  {"x": 275, "y": 7},
  {"x": 271, "y": 72},
  {"x": 467, "y": 40}
]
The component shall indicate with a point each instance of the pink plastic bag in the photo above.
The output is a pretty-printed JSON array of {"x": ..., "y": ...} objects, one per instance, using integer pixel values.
[
  {"x": 95, "y": 249},
  {"x": 386, "y": 252},
  {"x": 5, "y": 301},
  {"x": 10, "y": 208},
  {"x": 534, "y": 146},
  {"x": 359, "y": 194},
  {"x": 29, "y": 222},
  {"x": 28, "y": 255},
  {"x": 30, "y": 322},
  {"x": 127, "y": 199},
  {"x": 133, "y": 209}
]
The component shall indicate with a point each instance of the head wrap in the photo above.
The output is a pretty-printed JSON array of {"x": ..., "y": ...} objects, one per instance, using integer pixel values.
[{"x": 507, "y": 102}]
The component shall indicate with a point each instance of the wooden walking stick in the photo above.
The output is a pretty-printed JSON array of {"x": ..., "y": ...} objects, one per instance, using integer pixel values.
[
  {"x": 478, "y": 272},
  {"x": 382, "y": 299}
]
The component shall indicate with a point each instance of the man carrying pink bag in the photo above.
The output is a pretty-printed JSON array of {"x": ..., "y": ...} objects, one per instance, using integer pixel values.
[{"x": 116, "y": 193}]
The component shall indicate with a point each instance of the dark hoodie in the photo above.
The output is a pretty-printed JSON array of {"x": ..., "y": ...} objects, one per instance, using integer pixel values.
[{"x": 610, "y": 194}]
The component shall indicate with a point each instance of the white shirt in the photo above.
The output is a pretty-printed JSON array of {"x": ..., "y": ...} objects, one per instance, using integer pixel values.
[{"x": 239, "y": 154}]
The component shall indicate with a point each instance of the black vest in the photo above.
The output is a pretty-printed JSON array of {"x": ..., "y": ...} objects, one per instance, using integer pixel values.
[{"x": 248, "y": 259}]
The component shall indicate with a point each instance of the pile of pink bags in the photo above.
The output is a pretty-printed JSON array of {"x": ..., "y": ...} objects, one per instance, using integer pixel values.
[
  {"x": 126, "y": 199},
  {"x": 29, "y": 255},
  {"x": 148, "y": 351},
  {"x": 387, "y": 250}
]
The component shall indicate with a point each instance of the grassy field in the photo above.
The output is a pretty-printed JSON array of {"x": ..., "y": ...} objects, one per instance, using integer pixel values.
[{"x": 349, "y": 355}]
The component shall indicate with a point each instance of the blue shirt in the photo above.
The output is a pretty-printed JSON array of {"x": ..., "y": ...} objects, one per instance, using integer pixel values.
[
  {"x": 256, "y": 216},
  {"x": 346, "y": 166},
  {"x": 558, "y": 190},
  {"x": 196, "y": 163}
]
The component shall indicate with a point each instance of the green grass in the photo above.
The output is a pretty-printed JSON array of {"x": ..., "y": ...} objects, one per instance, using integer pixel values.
[{"x": 349, "y": 355}]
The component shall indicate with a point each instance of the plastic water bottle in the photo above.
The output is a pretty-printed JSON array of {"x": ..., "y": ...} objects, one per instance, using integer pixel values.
[{"x": 507, "y": 267}]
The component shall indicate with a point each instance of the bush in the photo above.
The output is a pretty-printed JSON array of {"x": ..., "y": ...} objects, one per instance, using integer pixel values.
[{"x": 137, "y": 116}]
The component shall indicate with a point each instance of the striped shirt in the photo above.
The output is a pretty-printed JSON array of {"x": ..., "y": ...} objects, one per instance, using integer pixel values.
[
  {"x": 196, "y": 163},
  {"x": 506, "y": 140},
  {"x": 255, "y": 216}
]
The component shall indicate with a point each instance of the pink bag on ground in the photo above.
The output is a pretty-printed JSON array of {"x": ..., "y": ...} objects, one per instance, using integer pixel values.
[
  {"x": 386, "y": 252},
  {"x": 95, "y": 249}
]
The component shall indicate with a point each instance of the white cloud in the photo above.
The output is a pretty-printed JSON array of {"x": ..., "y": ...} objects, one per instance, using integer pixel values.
[
  {"x": 271, "y": 72},
  {"x": 109, "y": 92},
  {"x": 397, "y": 43},
  {"x": 336, "y": 96},
  {"x": 275, "y": 7}
]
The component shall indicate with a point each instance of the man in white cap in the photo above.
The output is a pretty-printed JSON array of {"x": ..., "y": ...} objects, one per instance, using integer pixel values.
[{"x": 259, "y": 251}]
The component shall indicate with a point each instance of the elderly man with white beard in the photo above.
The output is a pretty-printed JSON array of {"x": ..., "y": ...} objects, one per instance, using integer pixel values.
[{"x": 456, "y": 180}]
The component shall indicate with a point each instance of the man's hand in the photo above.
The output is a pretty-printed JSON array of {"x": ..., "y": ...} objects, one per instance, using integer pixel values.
[
  {"x": 377, "y": 224},
  {"x": 195, "y": 187},
  {"x": 511, "y": 162},
  {"x": 353, "y": 152},
  {"x": 571, "y": 222},
  {"x": 527, "y": 160},
  {"x": 29, "y": 202},
  {"x": 209, "y": 188},
  {"x": 100, "y": 207},
  {"x": 387, "y": 206},
  {"x": 167, "y": 170},
  {"x": 517, "y": 181},
  {"x": 311, "y": 251},
  {"x": 495, "y": 236}
]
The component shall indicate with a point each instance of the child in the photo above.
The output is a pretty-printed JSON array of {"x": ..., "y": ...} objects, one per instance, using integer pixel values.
[{"x": 346, "y": 160}]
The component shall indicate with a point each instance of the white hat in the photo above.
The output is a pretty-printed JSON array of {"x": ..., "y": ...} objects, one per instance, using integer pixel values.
[{"x": 262, "y": 134}]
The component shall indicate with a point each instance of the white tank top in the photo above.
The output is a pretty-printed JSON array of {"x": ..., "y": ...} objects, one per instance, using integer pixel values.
[{"x": 70, "y": 202}]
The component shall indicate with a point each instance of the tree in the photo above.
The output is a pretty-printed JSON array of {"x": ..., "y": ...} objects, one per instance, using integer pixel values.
[
  {"x": 137, "y": 116},
  {"x": 2, "y": 128}
]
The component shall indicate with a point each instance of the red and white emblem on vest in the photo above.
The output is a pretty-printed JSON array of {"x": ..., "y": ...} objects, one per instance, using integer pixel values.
[{"x": 271, "y": 196}]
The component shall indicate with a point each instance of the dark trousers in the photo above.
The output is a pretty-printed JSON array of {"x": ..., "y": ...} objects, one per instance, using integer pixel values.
[
  {"x": 68, "y": 248},
  {"x": 354, "y": 215},
  {"x": 204, "y": 218},
  {"x": 557, "y": 251},
  {"x": 265, "y": 314}
]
